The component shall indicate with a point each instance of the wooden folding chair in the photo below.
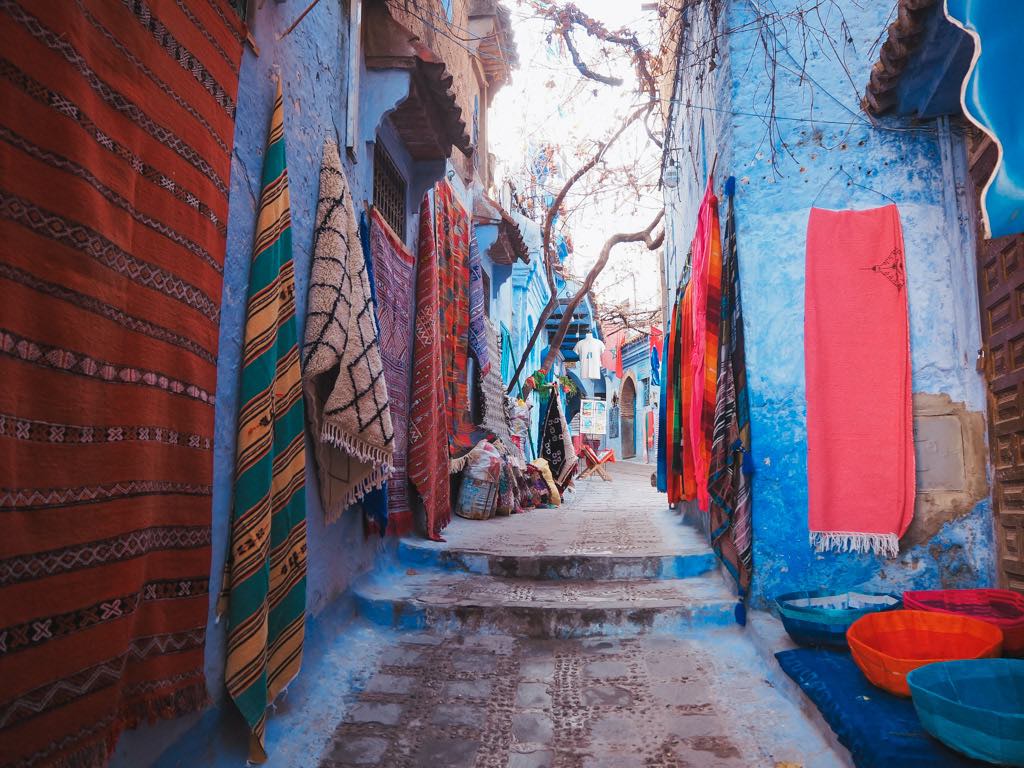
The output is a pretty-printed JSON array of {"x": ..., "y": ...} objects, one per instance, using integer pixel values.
[{"x": 595, "y": 463}]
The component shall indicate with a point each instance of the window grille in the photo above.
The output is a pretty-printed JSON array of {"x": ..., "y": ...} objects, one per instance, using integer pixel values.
[{"x": 388, "y": 189}]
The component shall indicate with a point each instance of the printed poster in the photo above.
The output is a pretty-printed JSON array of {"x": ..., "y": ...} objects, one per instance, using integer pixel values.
[{"x": 593, "y": 417}]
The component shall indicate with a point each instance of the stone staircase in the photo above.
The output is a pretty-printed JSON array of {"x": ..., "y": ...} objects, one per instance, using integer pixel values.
[{"x": 612, "y": 561}]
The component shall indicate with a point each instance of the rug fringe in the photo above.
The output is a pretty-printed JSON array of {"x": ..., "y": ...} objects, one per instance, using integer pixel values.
[
  {"x": 457, "y": 465},
  {"x": 374, "y": 480},
  {"x": 369, "y": 454},
  {"x": 887, "y": 544}
]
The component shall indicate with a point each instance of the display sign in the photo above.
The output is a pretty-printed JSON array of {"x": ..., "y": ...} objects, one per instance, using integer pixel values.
[{"x": 593, "y": 417}]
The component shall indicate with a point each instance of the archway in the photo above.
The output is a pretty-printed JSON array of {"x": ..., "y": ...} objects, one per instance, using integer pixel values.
[{"x": 627, "y": 417}]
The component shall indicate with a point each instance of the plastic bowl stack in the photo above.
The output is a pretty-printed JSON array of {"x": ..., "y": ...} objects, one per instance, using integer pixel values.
[
  {"x": 821, "y": 618},
  {"x": 975, "y": 707},
  {"x": 1001, "y": 607},
  {"x": 886, "y": 646}
]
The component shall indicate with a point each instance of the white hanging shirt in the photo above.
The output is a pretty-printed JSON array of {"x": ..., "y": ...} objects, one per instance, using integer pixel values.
[{"x": 589, "y": 351}]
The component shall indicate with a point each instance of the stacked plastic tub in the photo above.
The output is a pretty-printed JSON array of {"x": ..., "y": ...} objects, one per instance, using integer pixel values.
[{"x": 942, "y": 652}]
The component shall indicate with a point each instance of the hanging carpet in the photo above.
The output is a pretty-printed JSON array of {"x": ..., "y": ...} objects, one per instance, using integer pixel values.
[
  {"x": 729, "y": 479},
  {"x": 343, "y": 376},
  {"x": 115, "y": 156},
  {"x": 393, "y": 269},
  {"x": 266, "y": 572},
  {"x": 860, "y": 437},
  {"x": 477, "y": 311},
  {"x": 440, "y": 431}
]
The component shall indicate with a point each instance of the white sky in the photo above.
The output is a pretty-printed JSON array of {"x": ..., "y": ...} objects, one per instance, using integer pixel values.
[{"x": 548, "y": 102}]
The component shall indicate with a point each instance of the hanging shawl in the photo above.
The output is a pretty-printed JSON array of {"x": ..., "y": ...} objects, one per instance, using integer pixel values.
[
  {"x": 663, "y": 437},
  {"x": 508, "y": 363},
  {"x": 343, "y": 376},
  {"x": 673, "y": 384},
  {"x": 729, "y": 480},
  {"x": 267, "y": 605},
  {"x": 477, "y": 317},
  {"x": 556, "y": 443},
  {"x": 568, "y": 450},
  {"x": 705, "y": 290},
  {"x": 858, "y": 376}
]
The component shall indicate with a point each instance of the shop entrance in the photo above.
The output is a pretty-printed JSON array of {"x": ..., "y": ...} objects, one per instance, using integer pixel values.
[{"x": 628, "y": 418}]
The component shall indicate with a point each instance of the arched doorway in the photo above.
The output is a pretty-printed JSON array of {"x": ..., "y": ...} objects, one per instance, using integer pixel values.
[{"x": 627, "y": 418}]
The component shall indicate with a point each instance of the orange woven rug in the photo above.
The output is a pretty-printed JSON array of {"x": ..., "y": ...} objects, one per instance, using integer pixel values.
[{"x": 115, "y": 144}]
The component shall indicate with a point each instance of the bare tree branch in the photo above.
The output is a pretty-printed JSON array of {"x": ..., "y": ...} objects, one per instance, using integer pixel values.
[
  {"x": 581, "y": 65},
  {"x": 548, "y": 252},
  {"x": 645, "y": 236}
]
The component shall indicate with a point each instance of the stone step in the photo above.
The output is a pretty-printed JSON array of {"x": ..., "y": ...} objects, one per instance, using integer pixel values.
[
  {"x": 602, "y": 534},
  {"x": 579, "y": 564},
  {"x": 552, "y": 609}
]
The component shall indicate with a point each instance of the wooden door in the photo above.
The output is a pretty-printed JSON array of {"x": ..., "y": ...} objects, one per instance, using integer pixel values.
[
  {"x": 628, "y": 419},
  {"x": 1001, "y": 292}
]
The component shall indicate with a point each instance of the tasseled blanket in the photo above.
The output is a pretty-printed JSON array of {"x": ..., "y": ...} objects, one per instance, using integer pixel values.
[{"x": 343, "y": 376}]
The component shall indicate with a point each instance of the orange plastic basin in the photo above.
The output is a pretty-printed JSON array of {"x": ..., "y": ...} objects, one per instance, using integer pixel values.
[{"x": 888, "y": 645}]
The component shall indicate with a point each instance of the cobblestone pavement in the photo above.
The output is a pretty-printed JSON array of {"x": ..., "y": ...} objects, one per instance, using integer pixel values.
[
  {"x": 487, "y": 701},
  {"x": 694, "y": 696},
  {"x": 624, "y": 517}
]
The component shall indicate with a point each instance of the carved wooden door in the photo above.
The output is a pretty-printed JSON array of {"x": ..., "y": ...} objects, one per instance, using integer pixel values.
[{"x": 1001, "y": 292}]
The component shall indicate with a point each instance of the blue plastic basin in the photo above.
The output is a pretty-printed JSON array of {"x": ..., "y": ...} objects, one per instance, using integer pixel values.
[
  {"x": 821, "y": 617},
  {"x": 974, "y": 706}
]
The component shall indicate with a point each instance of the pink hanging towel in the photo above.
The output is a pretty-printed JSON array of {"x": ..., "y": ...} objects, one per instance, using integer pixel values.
[{"x": 860, "y": 440}]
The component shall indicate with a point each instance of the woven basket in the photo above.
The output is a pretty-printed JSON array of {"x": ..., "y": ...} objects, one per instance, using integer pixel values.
[
  {"x": 886, "y": 646},
  {"x": 821, "y": 618},
  {"x": 1001, "y": 607},
  {"x": 975, "y": 707}
]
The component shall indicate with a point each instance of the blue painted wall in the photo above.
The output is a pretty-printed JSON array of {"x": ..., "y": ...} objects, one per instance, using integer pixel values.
[{"x": 918, "y": 166}]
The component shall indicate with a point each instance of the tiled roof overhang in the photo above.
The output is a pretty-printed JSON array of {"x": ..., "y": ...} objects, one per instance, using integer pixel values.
[
  {"x": 495, "y": 45},
  {"x": 429, "y": 121},
  {"x": 905, "y": 35},
  {"x": 510, "y": 244}
]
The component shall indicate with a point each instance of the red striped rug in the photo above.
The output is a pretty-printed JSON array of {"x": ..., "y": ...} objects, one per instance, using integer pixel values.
[{"x": 115, "y": 142}]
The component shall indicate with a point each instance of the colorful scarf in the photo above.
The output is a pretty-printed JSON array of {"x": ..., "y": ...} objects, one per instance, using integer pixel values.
[
  {"x": 113, "y": 210},
  {"x": 663, "y": 437},
  {"x": 729, "y": 480},
  {"x": 706, "y": 298},
  {"x": 393, "y": 268},
  {"x": 266, "y": 573},
  {"x": 440, "y": 431},
  {"x": 672, "y": 383},
  {"x": 477, "y": 314},
  {"x": 857, "y": 363},
  {"x": 343, "y": 376},
  {"x": 508, "y": 363}
]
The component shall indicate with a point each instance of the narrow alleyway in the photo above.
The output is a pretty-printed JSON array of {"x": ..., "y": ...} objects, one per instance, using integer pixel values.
[{"x": 597, "y": 634}]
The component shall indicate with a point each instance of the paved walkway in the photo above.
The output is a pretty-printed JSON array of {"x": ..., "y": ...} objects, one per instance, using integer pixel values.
[{"x": 597, "y": 635}]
